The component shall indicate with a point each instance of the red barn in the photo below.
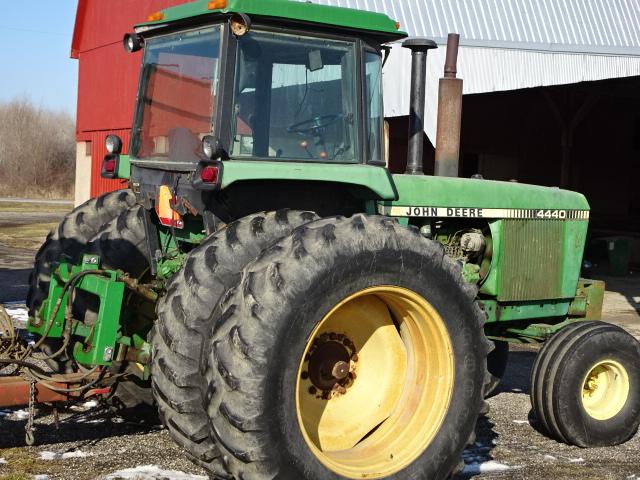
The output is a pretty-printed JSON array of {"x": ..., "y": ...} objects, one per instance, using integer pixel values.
[{"x": 108, "y": 79}]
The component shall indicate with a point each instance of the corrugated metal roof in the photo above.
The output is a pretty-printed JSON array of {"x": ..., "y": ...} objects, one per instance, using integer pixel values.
[
  {"x": 510, "y": 44},
  {"x": 589, "y": 26}
]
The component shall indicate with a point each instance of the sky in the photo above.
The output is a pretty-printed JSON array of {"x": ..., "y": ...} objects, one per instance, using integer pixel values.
[{"x": 35, "y": 43}]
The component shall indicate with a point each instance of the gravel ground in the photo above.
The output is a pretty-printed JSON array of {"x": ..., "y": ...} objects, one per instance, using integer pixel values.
[
  {"x": 92, "y": 443},
  {"x": 509, "y": 444}
]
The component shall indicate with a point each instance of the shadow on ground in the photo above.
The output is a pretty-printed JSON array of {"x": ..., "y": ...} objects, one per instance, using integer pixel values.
[
  {"x": 83, "y": 428},
  {"x": 478, "y": 456},
  {"x": 14, "y": 284}
]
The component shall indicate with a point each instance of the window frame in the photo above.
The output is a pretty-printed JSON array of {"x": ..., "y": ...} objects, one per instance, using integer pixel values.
[
  {"x": 362, "y": 154},
  {"x": 365, "y": 49},
  {"x": 217, "y": 105},
  {"x": 223, "y": 106}
]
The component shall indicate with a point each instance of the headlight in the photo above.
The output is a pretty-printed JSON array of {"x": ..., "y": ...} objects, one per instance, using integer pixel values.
[
  {"x": 132, "y": 42},
  {"x": 113, "y": 144},
  {"x": 212, "y": 147}
]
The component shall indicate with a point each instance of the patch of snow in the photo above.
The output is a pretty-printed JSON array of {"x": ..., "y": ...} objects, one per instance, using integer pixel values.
[
  {"x": 19, "y": 313},
  {"x": 576, "y": 460},
  {"x": 41, "y": 477},
  {"x": 521, "y": 422},
  {"x": 2, "y": 460},
  {"x": 549, "y": 457},
  {"x": 83, "y": 407},
  {"x": 14, "y": 415},
  {"x": 151, "y": 472},
  {"x": 46, "y": 455},
  {"x": 476, "y": 468}
]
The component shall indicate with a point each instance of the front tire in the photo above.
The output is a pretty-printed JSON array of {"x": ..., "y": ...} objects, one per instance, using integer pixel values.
[
  {"x": 585, "y": 386},
  {"x": 361, "y": 319}
]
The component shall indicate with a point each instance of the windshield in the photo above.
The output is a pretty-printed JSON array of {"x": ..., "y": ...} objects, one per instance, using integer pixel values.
[
  {"x": 295, "y": 98},
  {"x": 178, "y": 91}
]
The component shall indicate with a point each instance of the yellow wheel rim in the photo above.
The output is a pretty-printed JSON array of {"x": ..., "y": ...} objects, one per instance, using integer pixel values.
[
  {"x": 375, "y": 382},
  {"x": 605, "y": 390}
]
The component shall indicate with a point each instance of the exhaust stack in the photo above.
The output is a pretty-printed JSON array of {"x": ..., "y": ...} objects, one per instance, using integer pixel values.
[
  {"x": 449, "y": 114},
  {"x": 419, "y": 48}
]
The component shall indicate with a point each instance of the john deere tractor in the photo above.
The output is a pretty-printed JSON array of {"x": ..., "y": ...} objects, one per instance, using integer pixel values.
[{"x": 292, "y": 308}]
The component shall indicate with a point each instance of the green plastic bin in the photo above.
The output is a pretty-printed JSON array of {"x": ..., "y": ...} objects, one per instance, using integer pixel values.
[{"x": 619, "y": 250}]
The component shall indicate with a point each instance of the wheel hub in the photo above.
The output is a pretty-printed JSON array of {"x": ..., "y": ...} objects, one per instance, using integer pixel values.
[
  {"x": 331, "y": 363},
  {"x": 605, "y": 389}
]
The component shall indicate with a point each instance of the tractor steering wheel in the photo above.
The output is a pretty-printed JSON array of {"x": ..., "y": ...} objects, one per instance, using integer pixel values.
[{"x": 315, "y": 123}]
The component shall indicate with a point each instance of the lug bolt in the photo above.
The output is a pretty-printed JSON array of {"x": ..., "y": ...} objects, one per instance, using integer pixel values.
[
  {"x": 340, "y": 370},
  {"x": 340, "y": 389},
  {"x": 107, "y": 354}
]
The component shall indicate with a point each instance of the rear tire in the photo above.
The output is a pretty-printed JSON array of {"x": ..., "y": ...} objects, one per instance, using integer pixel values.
[
  {"x": 185, "y": 321},
  {"x": 121, "y": 245},
  {"x": 71, "y": 238},
  {"x": 289, "y": 306},
  {"x": 585, "y": 385}
]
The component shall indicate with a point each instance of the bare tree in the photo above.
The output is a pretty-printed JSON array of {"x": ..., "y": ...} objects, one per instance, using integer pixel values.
[{"x": 37, "y": 150}]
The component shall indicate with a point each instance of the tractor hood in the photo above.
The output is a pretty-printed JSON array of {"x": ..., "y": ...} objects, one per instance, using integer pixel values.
[{"x": 427, "y": 196}]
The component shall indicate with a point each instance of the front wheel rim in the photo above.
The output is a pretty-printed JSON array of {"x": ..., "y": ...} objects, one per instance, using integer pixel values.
[
  {"x": 605, "y": 389},
  {"x": 375, "y": 382}
]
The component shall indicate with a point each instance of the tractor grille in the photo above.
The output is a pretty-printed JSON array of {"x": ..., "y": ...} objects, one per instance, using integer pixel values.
[{"x": 532, "y": 260}]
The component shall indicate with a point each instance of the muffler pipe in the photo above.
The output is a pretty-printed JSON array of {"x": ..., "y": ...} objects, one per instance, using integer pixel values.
[
  {"x": 419, "y": 48},
  {"x": 447, "y": 156}
]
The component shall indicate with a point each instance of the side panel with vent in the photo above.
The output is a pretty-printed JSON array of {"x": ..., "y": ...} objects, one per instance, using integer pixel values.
[{"x": 540, "y": 259}]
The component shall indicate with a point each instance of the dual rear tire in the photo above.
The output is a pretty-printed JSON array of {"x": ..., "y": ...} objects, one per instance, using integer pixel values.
[{"x": 350, "y": 348}]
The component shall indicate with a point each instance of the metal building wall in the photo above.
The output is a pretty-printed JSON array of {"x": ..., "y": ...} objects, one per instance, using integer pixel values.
[{"x": 486, "y": 69}]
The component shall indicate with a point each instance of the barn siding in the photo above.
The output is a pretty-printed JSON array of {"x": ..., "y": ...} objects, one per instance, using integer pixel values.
[{"x": 108, "y": 76}]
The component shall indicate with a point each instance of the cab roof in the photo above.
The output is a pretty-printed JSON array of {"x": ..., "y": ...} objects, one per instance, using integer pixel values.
[{"x": 377, "y": 24}]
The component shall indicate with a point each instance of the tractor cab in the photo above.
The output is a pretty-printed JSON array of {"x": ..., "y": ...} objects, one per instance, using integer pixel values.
[{"x": 303, "y": 88}]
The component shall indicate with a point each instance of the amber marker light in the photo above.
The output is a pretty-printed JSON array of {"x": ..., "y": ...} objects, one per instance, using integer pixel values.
[
  {"x": 155, "y": 17},
  {"x": 217, "y": 5},
  {"x": 240, "y": 24},
  {"x": 397, "y": 25}
]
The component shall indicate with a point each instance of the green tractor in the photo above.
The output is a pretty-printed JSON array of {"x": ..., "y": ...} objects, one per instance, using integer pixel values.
[{"x": 291, "y": 308}]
